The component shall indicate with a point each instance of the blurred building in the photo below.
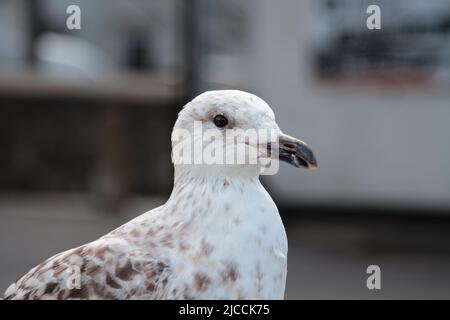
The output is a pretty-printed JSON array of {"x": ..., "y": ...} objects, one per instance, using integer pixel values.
[
  {"x": 86, "y": 116},
  {"x": 325, "y": 74}
]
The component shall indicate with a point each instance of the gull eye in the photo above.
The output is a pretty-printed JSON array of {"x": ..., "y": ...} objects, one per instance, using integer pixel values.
[{"x": 220, "y": 121}]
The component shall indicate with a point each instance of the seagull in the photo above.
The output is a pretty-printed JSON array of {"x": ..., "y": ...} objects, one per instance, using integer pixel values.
[{"x": 218, "y": 236}]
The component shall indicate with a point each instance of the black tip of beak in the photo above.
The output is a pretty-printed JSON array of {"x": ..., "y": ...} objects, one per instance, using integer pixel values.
[
  {"x": 305, "y": 156},
  {"x": 296, "y": 153}
]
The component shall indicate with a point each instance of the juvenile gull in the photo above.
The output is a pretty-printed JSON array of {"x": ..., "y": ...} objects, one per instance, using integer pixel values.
[{"x": 219, "y": 235}]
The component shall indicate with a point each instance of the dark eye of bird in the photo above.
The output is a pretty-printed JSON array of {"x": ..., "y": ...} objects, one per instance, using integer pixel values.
[{"x": 220, "y": 121}]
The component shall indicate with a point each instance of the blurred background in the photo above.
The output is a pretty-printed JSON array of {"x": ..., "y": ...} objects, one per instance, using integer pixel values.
[{"x": 86, "y": 116}]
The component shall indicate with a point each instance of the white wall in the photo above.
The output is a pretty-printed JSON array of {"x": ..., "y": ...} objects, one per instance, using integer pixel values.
[{"x": 373, "y": 147}]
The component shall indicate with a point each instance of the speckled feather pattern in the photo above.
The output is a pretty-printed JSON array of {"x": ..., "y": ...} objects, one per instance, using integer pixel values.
[{"x": 219, "y": 235}]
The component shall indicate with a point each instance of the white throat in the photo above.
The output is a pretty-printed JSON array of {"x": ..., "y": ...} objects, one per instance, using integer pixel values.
[
  {"x": 229, "y": 221},
  {"x": 216, "y": 173}
]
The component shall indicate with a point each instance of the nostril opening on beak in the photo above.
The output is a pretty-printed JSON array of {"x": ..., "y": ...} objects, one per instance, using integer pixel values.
[{"x": 289, "y": 145}]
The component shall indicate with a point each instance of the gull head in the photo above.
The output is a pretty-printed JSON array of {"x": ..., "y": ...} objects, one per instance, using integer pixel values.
[{"x": 231, "y": 132}]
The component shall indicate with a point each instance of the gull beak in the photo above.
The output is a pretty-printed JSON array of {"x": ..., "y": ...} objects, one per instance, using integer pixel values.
[{"x": 296, "y": 152}]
